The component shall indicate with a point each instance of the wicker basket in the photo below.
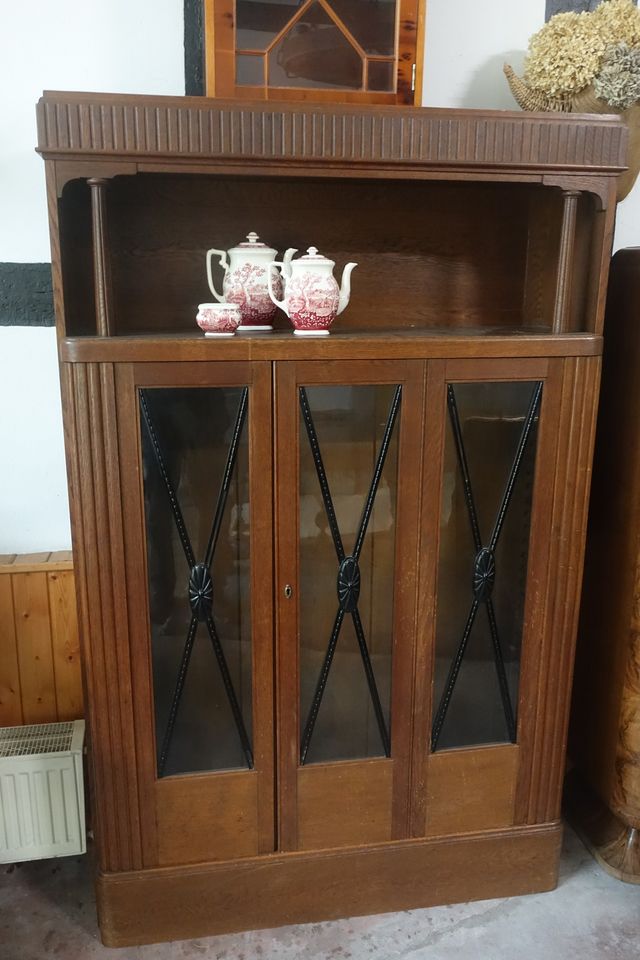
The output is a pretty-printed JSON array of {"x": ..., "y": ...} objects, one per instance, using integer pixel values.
[{"x": 583, "y": 102}]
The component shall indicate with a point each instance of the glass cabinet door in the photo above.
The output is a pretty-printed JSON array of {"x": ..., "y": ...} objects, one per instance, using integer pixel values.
[
  {"x": 492, "y": 454},
  {"x": 195, "y": 466},
  {"x": 348, "y": 441},
  {"x": 488, "y": 472},
  {"x": 348, "y": 519},
  {"x": 205, "y": 474},
  {"x": 263, "y": 50}
]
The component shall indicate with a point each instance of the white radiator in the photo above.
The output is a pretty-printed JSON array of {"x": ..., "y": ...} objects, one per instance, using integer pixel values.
[{"x": 41, "y": 791}]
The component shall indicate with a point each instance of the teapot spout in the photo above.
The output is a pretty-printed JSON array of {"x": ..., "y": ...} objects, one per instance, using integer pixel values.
[
  {"x": 286, "y": 262},
  {"x": 345, "y": 286}
]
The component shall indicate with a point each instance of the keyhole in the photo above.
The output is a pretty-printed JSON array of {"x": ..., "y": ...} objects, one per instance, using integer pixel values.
[{"x": 288, "y": 591}]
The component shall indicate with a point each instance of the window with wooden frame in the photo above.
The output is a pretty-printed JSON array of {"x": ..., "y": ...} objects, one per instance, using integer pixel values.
[{"x": 355, "y": 51}]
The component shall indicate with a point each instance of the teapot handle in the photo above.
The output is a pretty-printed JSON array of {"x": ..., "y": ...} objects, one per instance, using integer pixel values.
[
  {"x": 278, "y": 303},
  {"x": 223, "y": 263}
]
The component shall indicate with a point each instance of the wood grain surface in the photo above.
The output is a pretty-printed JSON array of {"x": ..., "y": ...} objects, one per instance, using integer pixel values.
[
  {"x": 171, "y": 903},
  {"x": 129, "y": 126},
  {"x": 40, "y": 676},
  {"x": 476, "y": 235}
]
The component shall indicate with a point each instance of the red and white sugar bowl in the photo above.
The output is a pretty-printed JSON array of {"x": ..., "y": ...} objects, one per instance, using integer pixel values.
[
  {"x": 312, "y": 298},
  {"x": 218, "y": 319}
]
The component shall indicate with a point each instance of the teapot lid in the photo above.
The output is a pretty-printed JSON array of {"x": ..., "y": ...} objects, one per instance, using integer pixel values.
[
  {"x": 312, "y": 254},
  {"x": 255, "y": 243}
]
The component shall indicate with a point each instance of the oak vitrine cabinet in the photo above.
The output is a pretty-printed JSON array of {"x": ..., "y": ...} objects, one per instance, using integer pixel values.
[{"x": 328, "y": 589}]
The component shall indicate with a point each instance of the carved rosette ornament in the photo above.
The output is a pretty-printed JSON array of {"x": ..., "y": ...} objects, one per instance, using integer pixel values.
[
  {"x": 200, "y": 591},
  {"x": 348, "y": 584},
  {"x": 484, "y": 574}
]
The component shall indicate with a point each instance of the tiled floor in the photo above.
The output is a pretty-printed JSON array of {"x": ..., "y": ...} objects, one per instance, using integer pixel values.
[{"x": 47, "y": 910}]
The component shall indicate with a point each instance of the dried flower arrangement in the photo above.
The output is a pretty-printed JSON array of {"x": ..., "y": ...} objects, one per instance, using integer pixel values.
[
  {"x": 587, "y": 62},
  {"x": 618, "y": 82}
]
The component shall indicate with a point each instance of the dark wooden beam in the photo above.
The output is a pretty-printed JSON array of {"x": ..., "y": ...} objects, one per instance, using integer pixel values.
[{"x": 26, "y": 296}]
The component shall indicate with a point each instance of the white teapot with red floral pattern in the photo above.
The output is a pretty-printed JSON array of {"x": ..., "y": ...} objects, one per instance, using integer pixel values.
[
  {"x": 312, "y": 298},
  {"x": 248, "y": 269}
]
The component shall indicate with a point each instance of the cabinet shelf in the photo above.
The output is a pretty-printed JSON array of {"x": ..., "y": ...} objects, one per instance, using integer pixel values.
[
  {"x": 429, "y": 254},
  {"x": 355, "y": 345}
]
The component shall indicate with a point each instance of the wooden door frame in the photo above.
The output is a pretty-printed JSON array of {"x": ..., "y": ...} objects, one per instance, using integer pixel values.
[
  {"x": 289, "y": 375},
  {"x": 506, "y": 766},
  {"x": 219, "y": 62},
  {"x": 252, "y": 789}
]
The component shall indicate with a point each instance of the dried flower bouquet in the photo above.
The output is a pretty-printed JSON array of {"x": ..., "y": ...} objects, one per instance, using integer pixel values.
[{"x": 589, "y": 63}]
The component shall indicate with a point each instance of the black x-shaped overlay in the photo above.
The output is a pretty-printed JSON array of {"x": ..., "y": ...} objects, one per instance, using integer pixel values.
[
  {"x": 348, "y": 585},
  {"x": 484, "y": 565},
  {"x": 200, "y": 583},
  {"x": 201, "y": 589}
]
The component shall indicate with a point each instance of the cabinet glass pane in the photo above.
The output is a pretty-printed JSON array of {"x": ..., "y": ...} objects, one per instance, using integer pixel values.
[
  {"x": 195, "y": 469},
  {"x": 489, "y": 461},
  {"x": 372, "y": 24},
  {"x": 258, "y": 22},
  {"x": 317, "y": 45},
  {"x": 348, "y": 492},
  {"x": 250, "y": 70},
  {"x": 381, "y": 75},
  {"x": 315, "y": 53}
]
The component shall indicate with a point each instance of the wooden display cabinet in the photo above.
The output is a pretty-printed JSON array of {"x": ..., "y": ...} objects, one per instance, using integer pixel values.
[{"x": 327, "y": 588}]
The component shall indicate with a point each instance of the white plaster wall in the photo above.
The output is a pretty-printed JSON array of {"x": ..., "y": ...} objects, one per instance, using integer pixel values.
[
  {"x": 628, "y": 221},
  {"x": 120, "y": 46},
  {"x": 112, "y": 45},
  {"x": 467, "y": 43},
  {"x": 136, "y": 46},
  {"x": 33, "y": 495}
]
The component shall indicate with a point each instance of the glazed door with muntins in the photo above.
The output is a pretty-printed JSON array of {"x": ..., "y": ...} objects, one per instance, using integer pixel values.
[
  {"x": 202, "y": 439},
  {"x": 318, "y": 49}
]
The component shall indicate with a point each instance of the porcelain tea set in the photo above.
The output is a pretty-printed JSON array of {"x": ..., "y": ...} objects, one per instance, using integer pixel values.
[{"x": 255, "y": 283}]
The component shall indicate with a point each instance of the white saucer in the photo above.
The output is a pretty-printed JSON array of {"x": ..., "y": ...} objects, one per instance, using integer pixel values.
[
  {"x": 212, "y": 334},
  {"x": 311, "y": 333},
  {"x": 250, "y": 328}
]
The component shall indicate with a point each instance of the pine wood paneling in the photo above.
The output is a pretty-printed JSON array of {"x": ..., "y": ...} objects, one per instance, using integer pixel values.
[
  {"x": 33, "y": 637},
  {"x": 65, "y": 644},
  {"x": 10, "y": 697},
  {"x": 40, "y": 680}
]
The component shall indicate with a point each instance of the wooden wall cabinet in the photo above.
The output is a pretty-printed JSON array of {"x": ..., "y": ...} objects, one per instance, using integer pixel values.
[
  {"x": 327, "y": 589},
  {"x": 317, "y": 50}
]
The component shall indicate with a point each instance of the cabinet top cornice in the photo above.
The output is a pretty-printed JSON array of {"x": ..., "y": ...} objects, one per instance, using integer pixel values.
[{"x": 83, "y": 125}]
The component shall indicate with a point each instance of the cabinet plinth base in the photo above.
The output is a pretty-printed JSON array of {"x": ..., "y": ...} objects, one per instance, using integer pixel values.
[{"x": 173, "y": 903}]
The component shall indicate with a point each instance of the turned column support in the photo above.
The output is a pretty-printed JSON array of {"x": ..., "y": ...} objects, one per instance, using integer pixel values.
[
  {"x": 562, "y": 304},
  {"x": 101, "y": 260}
]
